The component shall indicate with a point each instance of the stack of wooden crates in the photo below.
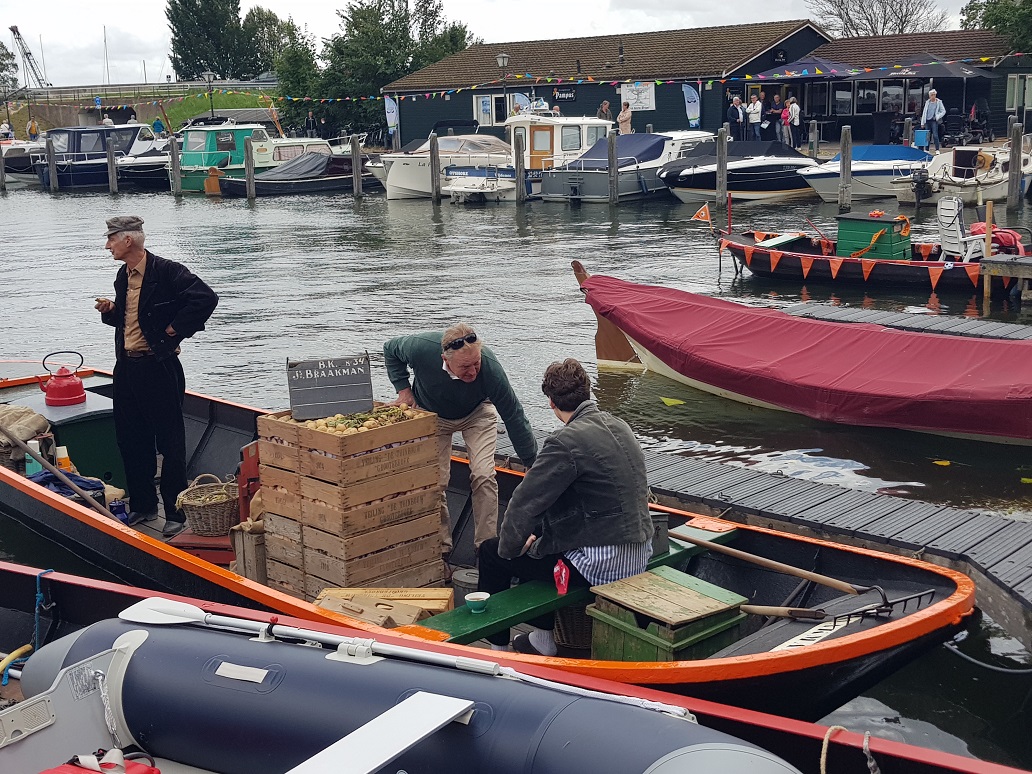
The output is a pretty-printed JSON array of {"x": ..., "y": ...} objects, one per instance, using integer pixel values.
[{"x": 358, "y": 510}]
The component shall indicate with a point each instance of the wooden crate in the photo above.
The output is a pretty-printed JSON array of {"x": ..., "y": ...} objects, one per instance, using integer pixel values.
[
  {"x": 276, "y": 477},
  {"x": 349, "y": 547},
  {"x": 283, "y": 577},
  {"x": 283, "y": 526},
  {"x": 278, "y": 455},
  {"x": 434, "y": 601},
  {"x": 249, "y": 549},
  {"x": 345, "y": 498},
  {"x": 283, "y": 550},
  {"x": 282, "y": 502},
  {"x": 346, "y": 471},
  {"x": 346, "y": 445},
  {"x": 427, "y": 574},
  {"x": 403, "y": 507},
  {"x": 390, "y": 561},
  {"x": 272, "y": 426}
]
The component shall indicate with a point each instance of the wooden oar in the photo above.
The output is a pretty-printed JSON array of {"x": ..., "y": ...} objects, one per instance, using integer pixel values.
[
  {"x": 785, "y": 612},
  {"x": 770, "y": 564},
  {"x": 59, "y": 473}
]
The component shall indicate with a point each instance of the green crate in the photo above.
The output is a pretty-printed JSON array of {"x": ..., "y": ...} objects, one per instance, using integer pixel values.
[{"x": 855, "y": 232}]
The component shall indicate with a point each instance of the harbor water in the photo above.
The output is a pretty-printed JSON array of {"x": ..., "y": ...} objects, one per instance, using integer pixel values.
[{"x": 328, "y": 276}]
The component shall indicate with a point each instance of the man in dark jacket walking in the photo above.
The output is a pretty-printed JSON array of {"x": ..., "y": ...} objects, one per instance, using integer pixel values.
[
  {"x": 158, "y": 303},
  {"x": 581, "y": 513}
]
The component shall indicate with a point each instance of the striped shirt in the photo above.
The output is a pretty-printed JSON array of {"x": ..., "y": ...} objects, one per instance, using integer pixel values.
[{"x": 604, "y": 564}]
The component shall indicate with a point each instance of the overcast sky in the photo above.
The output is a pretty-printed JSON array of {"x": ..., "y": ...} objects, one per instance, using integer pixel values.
[{"x": 72, "y": 31}]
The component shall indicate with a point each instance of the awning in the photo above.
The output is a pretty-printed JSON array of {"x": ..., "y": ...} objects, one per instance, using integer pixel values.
[
  {"x": 808, "y": 68},
  {"x": 921, "y": 66}
]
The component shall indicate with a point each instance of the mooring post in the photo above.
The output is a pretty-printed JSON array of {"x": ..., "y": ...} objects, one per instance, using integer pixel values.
[
  {"x": 112, "y": 169},
  {"x": 614, "y": 170},
  {"x": 435, "y": 169},
  {"x": 52, "y": 166},
  {"x": 3, "y": 173},
  {"x": 1011, "y": 120},
  {"x": 356, "y": 167},
  {"x": 721, "y": 192},
  {"x": 1014, "y": 175},
  {"x": 648, "y": 128},
  {"x": 908, "y": 131},
  {"x": 174, "y": 172},
  {"x": 521, "y": 172},
  {"x": 845, "y": 188},
  {"x": 249, "y": 168},
  {"x": 987, "y": 280},
  {"x": 814, "y": 139}
]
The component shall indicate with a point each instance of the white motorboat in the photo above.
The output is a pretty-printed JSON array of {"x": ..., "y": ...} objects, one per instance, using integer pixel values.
[
  {"x": 975, "y": 173},
  {"x": 755, "y": 170},
  {"x": 639, "y": 159},
  {"x": 18, "y": 172},
  {"x": 873, "y": 169},
  {"x": 407, "y": 173}
]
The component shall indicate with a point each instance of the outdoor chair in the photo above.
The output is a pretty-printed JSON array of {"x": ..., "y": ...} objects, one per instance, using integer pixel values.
[{"x": 956, "y": 243}]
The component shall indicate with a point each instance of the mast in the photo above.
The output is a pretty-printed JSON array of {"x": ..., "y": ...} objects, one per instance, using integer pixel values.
[{"x": 107, "y": 68}]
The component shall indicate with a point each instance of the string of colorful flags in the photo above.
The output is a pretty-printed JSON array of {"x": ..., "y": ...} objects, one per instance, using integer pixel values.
[{"x": 516, "y": 79}]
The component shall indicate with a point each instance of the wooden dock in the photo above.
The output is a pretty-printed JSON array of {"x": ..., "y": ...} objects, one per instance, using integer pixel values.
[
  {"x": 995, "y": 551},
  {"x": 1016, "y": 267}
]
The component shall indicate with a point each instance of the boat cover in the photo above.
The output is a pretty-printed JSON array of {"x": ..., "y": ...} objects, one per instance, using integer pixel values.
[
  {"x": 630, "y": 149},
  {"x": 852, "y": 373},
  {"x": 886, "y": 153},
  {"x": 307, "y": 166}
]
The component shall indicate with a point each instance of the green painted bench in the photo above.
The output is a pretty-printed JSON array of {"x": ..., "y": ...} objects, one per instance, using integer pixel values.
[{"x": 534, "y": 598}]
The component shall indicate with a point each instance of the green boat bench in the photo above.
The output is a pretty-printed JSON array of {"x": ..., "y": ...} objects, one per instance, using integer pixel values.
[{"x": 529, "y": 600}]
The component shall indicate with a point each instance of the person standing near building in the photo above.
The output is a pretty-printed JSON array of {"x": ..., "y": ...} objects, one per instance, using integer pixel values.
[
  {"x": 311, "y": 126},
  {"x": 736, "y": 117},
  {"x": 623, "y": 118},
  {"x": 774, "y": 116},
  {"x": 158, "y": 126},
  {"x": 796, "y": 132},
  {"x": 933, "y": 113},
  {"x": 604, "y": 112},
  {"x": 754, "y": 112},
  {"x": 158, "y": 303},
  {"x": 454, "y": 375},
  {"x": 107, "y": 121},
  {"x": 32, "y": 130}
]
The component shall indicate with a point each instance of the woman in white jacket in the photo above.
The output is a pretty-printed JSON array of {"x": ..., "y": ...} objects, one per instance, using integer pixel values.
[{"x": 933, "y": 113}]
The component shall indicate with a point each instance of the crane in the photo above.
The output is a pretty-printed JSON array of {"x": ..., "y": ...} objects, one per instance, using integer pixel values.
[{"x": 32, "y": 71}]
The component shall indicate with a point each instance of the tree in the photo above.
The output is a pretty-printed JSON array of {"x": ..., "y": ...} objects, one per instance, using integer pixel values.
[
  {"x": 265, "y": 37},
  {"x": 8, "y": 69},
  {"x": 206, "y": 35},
  {"x": 1010, "y": 18},
  {"x": 298, "y": 76},
  {"x": 860, "y": 18}
]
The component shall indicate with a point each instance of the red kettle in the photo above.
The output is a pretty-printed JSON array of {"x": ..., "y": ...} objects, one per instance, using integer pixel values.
[{"x": 63, "y": 388}]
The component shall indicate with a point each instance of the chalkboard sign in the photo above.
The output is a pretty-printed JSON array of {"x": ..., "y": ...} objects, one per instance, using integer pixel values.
[{"x": 322, "y": 388}]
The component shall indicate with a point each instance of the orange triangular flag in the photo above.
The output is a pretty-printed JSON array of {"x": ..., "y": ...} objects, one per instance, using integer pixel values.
[
  {"x": 702, "y": 214},
  {"x": 748, "y": 255},
  {"x": 868, "y": 266},
  {"x": 759, "y": 236},
  {"x": 775, "y": 256},
  {"x": 934, "y": 274},
  {"x": 807, "y": 262},
  {"x": 925, "y": 248},
  {"x": 972, "y": 270},
  {"x": 835, "y": 264}
]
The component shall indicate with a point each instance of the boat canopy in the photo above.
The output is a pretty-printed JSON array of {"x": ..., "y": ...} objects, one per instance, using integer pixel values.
[
  {"x": 886, "y": 153},
  {"x": 467, "y": 143},
  {"x": 746, "y": 149},
  {"x": 630, "y": 149},
  {"x": 852, "y": 373},
  {"x": 308, "y": 165}
]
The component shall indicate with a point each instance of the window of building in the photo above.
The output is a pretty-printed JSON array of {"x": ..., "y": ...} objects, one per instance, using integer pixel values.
[
  {"x": 1028, "y": 92},
  {"x": 891, "y": 96},
  {"x": 842, "y": 99},
  {"x": 570, "y": 138},
  {"x": 501, "y": 110},
  {"x": 817, "y": 98},
  {"x": 917, "y": 92},
  {"x": 1013, "y": 89},
  {"x": 866, "y": 97}
]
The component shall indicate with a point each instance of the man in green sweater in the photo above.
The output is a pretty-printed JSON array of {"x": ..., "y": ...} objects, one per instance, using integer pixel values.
[{"x": 460, "y": 380}]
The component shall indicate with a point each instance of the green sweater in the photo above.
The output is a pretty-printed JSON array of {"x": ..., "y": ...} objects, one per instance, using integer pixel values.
[{"x": 435, "y": 390}]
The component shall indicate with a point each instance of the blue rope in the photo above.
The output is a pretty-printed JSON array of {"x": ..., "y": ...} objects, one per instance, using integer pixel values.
[{"x": 35, "y": 632}]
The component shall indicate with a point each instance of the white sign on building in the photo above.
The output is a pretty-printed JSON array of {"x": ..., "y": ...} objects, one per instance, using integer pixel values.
[{"x": 641, "y": 95}]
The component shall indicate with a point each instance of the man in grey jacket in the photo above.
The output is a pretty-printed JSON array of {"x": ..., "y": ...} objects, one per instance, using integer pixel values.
[{"x": 581, "y": 514}]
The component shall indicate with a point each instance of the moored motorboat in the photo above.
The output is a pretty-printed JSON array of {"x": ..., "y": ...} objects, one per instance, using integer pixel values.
[
  {"x": 18, "y": 172},
  {"x": 80, "y": 153},
  {"x": 974, "y": 173},
  {"x": 730, "y": 657},
  {"x": 407, "y": 173},
  {"x": 755, "y": 170},
  {"x": 872, "y": 171},
  {"x": 639, "y": 158},
  {"x": 311, "y": 172},
  {"x": 865, "y": 375}
]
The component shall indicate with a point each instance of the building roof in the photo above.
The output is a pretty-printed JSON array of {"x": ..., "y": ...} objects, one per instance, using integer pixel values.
[
  {"x": 702, "y": 52},
  {"x": 882, "y": 50}
]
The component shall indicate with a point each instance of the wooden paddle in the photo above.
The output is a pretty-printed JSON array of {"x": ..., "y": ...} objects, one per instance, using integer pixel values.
[
  {"x": 59, "y": 473},
  {"x": 785, "y": 612},
  {"x": 770, "y": 564}
]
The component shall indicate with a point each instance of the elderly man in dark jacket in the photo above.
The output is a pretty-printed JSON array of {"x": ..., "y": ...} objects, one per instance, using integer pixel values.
[
  {"x": 158, "y": 303},
  {"x": 581, "y": 515}
]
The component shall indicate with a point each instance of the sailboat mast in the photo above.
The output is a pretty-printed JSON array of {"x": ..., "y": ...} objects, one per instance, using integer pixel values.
[{"x": 107, "y": 68}]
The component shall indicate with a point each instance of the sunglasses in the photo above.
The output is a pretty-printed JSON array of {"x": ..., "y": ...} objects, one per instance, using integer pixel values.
[{"x": 459, "y": 343}]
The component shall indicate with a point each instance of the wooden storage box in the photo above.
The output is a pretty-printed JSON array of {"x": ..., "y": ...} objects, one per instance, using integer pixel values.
[
  {"x": 281, "y": 502},
  {"x": 432, "y": 600},
  {"x": 272, "y": 426},
  {"x": 270, "y": 476},
  {"x": 249, "y": 549},
  {"x": 283, "y": 577},
  {"x": 345, "y": 498},
  {"x": 346, "y": 445},
  {"x": 347, "y": 471},
  {"x": 278, "y": 455},
  {"x": 283, "y": 526},
  {"x": 361, "y": 570},
  {"x": 284, "y": 551},
  {"x": 428, "y": 574},
  {"x": 330, "y": 518},
  {"x": 348, "y": 547}
]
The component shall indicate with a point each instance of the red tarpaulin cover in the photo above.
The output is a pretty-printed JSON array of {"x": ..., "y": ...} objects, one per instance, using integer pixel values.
[{"x": 853, "y": 373}]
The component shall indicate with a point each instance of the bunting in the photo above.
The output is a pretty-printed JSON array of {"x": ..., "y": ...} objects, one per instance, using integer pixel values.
[
  {"x": 835, "y": 264},
  {"x": 934, "y": 272},
  {"x": 748, "y": 255},
  {"x": 972, "y": 270},
  {"x": 806, "y": 262},
  {"x": 775, "y": 259}
]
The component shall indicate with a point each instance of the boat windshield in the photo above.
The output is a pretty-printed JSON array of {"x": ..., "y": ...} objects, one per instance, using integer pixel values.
[
  {"x": 469, "y": 143},
  {"x": 195, "y": 141},
  {"x": 120, "y": 139},
  {"x": 60, "y": 141}
]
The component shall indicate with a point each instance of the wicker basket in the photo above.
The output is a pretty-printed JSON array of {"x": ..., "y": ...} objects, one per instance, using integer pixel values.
[
  {"x": 573, "y": 627},
  {"x": 206, "y": 518}
]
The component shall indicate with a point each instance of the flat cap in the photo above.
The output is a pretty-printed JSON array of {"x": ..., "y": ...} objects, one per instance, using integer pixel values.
[{"x": 124, "y": 223}]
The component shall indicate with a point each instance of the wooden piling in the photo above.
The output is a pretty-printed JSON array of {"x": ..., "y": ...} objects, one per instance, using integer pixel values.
[
  {"x": 520, "y": 166},
  {"x": 614, "y": 170},
  {"x": 721, "y": 192},
  {"x": 648, "y": 128},
  {"x": 396, "y": 139},
  {"x": 1011, "y": 120},
  {"x": 845, "y": 188},
  {"x": 435, "y": 169},
  {"x": 356, "y": 167},
  {"x": 3, "y": 173},
  {"x": 815, "y": 138},
  {"x": 52, "y": 166},
  {"x": 987, "y": 280},
  {"x": 1014, "y": 174},
  {"x": 174, "y": 172},
  {"x": 112, "y": 168},
  {"x": 249, "y": 168},
  {"x": 908, "y": 131}
]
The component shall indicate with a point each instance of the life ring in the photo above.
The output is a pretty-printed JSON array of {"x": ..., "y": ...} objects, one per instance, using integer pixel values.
[
  {"x": 905, "y": 231},
  {"x": 983, "y": 161}
]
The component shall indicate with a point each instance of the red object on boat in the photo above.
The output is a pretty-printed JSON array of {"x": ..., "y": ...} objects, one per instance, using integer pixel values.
[
  {"x": 851, "y": 373},
  {"x": 1005, "y": 238},
  {"x": 131, "y": 767}
]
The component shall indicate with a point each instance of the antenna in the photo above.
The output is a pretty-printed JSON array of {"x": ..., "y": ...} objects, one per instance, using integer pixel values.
[
  {"x": 32, "y": 71},
  {"x": 107, "y": 68}
]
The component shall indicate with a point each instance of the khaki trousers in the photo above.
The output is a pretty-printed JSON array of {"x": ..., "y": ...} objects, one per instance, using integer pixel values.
[{"x": 480, "y": 434}]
